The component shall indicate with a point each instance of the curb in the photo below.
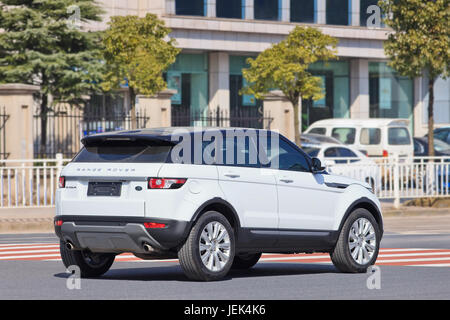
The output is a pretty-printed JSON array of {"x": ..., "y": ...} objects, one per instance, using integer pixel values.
[{"x": 28, "y": 225}]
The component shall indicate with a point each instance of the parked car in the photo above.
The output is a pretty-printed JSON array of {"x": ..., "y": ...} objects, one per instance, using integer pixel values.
[
  {"x": 441, "y": 148},
  {"x": 442, "y": 134},
  {"x": 144, "y": 192},
  {"x": 313, "y": 139},
  {"x": 337, "y": 157},
  {"x": 379, "y": 137}
]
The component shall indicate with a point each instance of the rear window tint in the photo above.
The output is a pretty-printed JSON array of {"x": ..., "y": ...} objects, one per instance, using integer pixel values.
[
  {"x": 123, "y": 151},
  {"x": 398, "y": 136}
]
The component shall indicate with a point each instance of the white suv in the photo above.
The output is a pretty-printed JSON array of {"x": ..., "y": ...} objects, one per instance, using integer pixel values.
[{"x": 214, "y": 198}]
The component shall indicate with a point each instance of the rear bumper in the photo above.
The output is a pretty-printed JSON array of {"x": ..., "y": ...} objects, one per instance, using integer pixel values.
[{"x": 120, "y": 234}]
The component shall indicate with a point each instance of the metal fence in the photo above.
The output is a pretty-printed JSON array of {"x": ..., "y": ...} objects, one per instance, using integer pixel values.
[
  {"x": 235, "y": 117},
  {"x": 65, "y": 128},
  {"x": 29, "y": 183},
  {"x": 32, "y": 183},
  {"x": 3, "y": 119}
]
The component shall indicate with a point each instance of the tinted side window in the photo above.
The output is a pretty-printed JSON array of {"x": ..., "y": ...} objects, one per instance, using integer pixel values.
[
  {"x": 291, "y": 159},
  {"x": 240, "y": 152},
  {"x": 370, "y": 136},
  {"x": 398, "y": 136},
  {"x": 331, "y": 153},
  {"x": 346, "y": 153}
]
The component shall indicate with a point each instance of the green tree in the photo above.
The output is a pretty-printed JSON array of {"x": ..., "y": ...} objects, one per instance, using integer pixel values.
[
  {"x": 285, "y": 66},
  {"x": 420, "y": 43},
  {"x": 44, "y": 43},
  {"x": 137, "y": 52}
]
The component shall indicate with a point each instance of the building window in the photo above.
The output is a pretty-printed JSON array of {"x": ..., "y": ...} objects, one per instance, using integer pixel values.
[
  {"x": 391, "y": 95},
  {"x": 229, "y": 9},
  {"x": 441, "y": 100},
  {"x": 338, "y": 12},
  {"x": 266, "y": 9},
  {"x": 189, "y": 77},
  {"x": 335, "y": 77},
  {"x": 246, "y": 110},
  {"x": 364, "y": 15},
  {"x": 302, "y": 11},
  {"x": 190, "y": 7}
]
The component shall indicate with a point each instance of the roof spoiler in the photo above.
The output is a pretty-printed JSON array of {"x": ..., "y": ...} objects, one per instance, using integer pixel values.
[{"x": 145, "y": 139}]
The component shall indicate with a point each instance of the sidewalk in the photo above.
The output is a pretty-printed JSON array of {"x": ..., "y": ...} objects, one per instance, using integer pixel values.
[{"x": 403, "y": 220}]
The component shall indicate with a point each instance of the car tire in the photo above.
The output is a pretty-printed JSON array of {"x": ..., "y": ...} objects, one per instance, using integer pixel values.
[
  {"x": 91, "y": 264},
  {"x": 245, "y": 261},
  {"x": 208, "y": 253},
  {"x": 357, "y": 248}
]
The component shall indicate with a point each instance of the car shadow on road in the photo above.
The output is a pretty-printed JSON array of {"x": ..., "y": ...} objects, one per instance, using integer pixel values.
[{"x": 175, "y": 273}]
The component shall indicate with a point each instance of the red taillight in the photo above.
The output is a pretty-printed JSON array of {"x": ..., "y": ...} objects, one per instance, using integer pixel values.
[
  {"x": 62, "y": 182},
  {"x": 58, "y": 223},
  {"x": 385, "y": 153},
  {"x": 154, "y": 225},
  {"x": 165, "y": 183}
]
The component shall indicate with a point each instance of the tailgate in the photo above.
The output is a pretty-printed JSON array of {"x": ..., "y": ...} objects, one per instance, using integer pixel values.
[{"x": 109, "y": 189}]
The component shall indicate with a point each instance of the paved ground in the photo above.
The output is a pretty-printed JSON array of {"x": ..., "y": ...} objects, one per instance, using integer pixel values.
[{"x": 295, "y": 277}]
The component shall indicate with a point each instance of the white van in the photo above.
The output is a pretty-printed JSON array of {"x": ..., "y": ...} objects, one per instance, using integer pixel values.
[{"x": 376, "y": 137}]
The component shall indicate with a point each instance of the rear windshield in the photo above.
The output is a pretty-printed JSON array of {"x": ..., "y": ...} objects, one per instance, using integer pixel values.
[
  {"x": 398, "y": 136},
  {"x": 124, "y": 151}
]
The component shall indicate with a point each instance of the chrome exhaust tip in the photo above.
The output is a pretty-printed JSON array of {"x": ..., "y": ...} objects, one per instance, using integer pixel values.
[
  {"x": 69, "y": 245},
  {"x": 147, "y": 247}
]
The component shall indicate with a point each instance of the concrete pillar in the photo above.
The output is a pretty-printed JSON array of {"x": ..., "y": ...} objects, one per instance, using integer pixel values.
[
  {"x": 211, "y": 8},
  {"x": 157, "y": 108},
  {"x": 219, "y": 81},
  {"x": 249, "y": 10},
  {"x": 170, "y": 7},
  {"x": 321, "y": 11},
  {"x": 280, "y": 109},
  {"x": 359, "y": 89},
  {"x": 286, "y": 10},
  {"x": 355, "y": 9},
  {"x": 18, "y": 102}
]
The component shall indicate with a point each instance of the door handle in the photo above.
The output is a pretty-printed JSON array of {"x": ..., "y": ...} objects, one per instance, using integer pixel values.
[
  {"x": 286, "y": 180},
  {"x": 232, "y": 175}
]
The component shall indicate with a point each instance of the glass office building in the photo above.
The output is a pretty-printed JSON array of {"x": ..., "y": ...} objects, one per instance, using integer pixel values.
[{"x": 217, "y": 36}]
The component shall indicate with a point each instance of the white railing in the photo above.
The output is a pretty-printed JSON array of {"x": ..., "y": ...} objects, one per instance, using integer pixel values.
[
  {"x": 395, "y": 178},
  {"x": 32, "y": 183},
  {"x": 29, "y": 183}
]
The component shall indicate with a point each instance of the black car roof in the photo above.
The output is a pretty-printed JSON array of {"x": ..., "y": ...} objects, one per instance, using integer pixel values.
[{"x": 156, "y": 134}]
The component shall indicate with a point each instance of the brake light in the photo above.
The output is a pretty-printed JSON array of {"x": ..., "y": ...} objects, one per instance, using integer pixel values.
[
  {"x": 154, "y": 225},
  {"x": 385, "y": 153},
  {"x": 58, "y": 223},
  {"x": 165, "y": 183},
  {"x": 62, "y": 182}
]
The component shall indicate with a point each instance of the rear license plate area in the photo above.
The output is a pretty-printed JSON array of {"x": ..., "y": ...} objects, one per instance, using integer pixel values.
[{"x": 104, "y": 189}]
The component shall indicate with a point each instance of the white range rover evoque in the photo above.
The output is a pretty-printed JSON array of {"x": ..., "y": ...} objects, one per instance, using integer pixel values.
[{"x": 215, "y": 198}]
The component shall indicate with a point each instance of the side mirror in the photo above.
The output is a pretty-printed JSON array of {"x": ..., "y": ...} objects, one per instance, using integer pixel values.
[{"x": 317, "y": 165}]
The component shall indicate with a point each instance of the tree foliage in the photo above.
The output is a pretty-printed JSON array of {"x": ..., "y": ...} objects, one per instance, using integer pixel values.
[
  {"x": 137, "y": 51},
  {"x": 39, "y": 46},
  {"x": 420, "y": 43},
  {"x": 285, "y": 66}
]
